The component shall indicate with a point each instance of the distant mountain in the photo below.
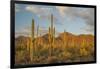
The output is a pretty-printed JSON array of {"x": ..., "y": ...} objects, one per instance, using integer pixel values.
[
  {"x": 22, "y": 39},
  {"x": 22, "y": 42},
  {"x": 65, "y": 36},
  {"x": 69, "y": 38},
  {"x": 43, "y": 39}
]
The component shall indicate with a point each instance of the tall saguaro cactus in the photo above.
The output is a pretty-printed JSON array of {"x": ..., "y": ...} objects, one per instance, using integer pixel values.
[
  {"x": 51, "y": 36},
  {"x": 37, "y": 42},
  {"x": 37, "y": 33},
  {"x": 52, "y": 25},
  {"x": 50, "y": 41},
  {"x": 32, "y": 41},
  {"x": 53, "y": 39}
]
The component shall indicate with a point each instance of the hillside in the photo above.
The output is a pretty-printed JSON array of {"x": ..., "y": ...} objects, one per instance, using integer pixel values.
[{"x": 67, "y": 47}]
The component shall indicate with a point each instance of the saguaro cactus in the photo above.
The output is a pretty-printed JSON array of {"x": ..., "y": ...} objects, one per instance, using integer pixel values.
[
  {"x": 37, "y": 34},
  {"x": 53, "y": 40},
  {"x": 37, "y": 42},
  {"x": 83, "y": 43},
  {"x": 51, "y": 36},
  {"x": 32, "y": 42},
  {"x": 50, "y": 41},
  {"x": 64, "y": 39}
]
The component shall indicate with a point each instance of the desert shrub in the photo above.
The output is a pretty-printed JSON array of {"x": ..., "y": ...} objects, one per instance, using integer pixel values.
[
  {"x": 83, "y": 52},
  {"x": 64, "y": 56},
  {"x": 44, "y": 52},
  {"x": 67, "y": 51},
  {"x": 52, "y": 59}
]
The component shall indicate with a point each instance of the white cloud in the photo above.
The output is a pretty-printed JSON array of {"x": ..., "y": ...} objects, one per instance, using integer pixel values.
[
  {"x": 62, "y": 9},
  {"x": 38, "y": 9},
  {"x": 69, "y": 13},
  {"x": 72, "y": 13},
  {"x": 31, "y": 9},
  {"x": 42, "y": 12}
]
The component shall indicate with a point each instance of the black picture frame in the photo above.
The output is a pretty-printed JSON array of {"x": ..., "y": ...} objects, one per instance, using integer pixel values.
[{"x": 12, "y": 30}]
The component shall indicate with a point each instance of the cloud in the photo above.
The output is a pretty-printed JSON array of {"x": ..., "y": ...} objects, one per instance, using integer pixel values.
[
  {"x": 72, "y": 13},
  {"x": 88, "y": 16},
  {"x": 26, "y": 31},
  {"x": 62, "y": 14},
  {"x": 44, "y": 12},
  {"x": 62, "y": 9},
  {"x": 32, "y": 9},
  {"x": 38, "y": 10}
]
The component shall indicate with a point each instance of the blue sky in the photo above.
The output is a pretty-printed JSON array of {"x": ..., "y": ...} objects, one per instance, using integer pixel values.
[{"x": 75, "y": 20}]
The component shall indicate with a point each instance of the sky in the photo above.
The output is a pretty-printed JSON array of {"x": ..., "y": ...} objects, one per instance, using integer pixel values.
[{"x": 76, "y": 20}]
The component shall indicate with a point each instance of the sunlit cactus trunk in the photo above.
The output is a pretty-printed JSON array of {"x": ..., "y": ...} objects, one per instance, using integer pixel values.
[
  {"x": 64, "y": 39},
  {"x": 54, "y": 35},
  {"x": 50, "y": 41},
  {"x": 31, "y": 50},
  {"x": 37, "y": 34},
  {"x": 53, "y": 39},
  {"x": 37, "y": 42},
  {"x": 83, "y": 43},
  {"x": 40, "y": 40},
  {"x": 51, "y": 36},
  {"x": 32, "y": 46}
]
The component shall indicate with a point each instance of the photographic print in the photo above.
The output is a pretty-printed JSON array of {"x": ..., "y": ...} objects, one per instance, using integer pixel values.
[{"x": 48, "y": 34}]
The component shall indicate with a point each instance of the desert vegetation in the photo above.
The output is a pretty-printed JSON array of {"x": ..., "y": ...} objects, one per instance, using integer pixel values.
[{"x": 46, "y": 49}]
